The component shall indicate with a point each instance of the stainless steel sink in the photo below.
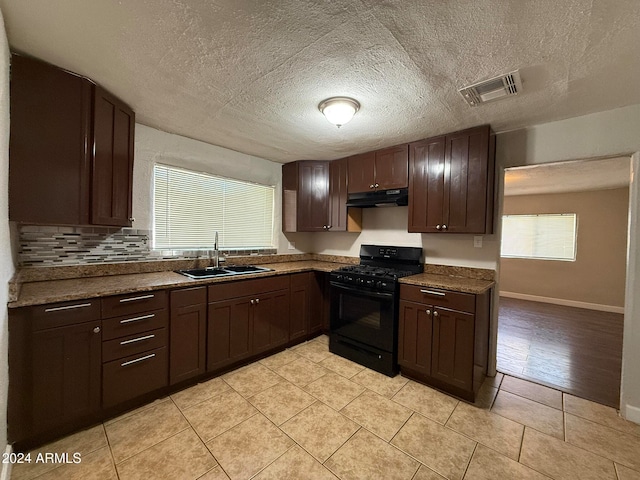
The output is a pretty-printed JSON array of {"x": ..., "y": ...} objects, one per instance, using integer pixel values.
[{"x": 212, "y": 272}]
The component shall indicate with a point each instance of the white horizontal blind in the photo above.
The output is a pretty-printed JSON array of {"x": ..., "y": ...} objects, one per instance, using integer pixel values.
[
  {"x": 543, "y": 236},
  {"x": 189, "y": 207}
]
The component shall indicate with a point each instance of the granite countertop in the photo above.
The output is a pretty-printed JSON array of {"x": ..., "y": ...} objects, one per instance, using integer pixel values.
[
  {"x": 449, "y": 282},
  {"x": 38, "y": 288},
  {"x": 51, "y": 291}
]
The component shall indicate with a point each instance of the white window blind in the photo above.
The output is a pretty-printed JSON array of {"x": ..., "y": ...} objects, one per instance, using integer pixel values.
[
  {"x": 543, "y": 236},
  {"x": 189, "y": 207}
]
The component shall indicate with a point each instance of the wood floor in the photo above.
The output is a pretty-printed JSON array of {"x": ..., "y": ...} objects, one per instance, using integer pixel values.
[{"x": 574, "y": 350}]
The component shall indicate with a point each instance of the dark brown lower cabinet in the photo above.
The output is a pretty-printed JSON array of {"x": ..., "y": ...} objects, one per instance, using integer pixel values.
[
  {"x": 299, "y": 305},
  {"x": 443, "y": 338},
  {"x": 228, "y": 332},
  {"x": 188, "y": 333},
  {"x": 55, "y": 372},
  {"x": 246, "y": 318}
]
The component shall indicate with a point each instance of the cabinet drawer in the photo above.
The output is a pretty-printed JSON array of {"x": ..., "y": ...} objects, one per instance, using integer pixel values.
[
  {"x": 64, "y": 313},
  {"x": 188, "y": 296},
  {"x": 133, "y": 344},
  {"x": 134, "y": 324},
  {"x": 133, "y": 376},
  {"x": 133, "y": 303},
  {"x": 465, "y": 302},
  {"x": 243, "y": 288}
]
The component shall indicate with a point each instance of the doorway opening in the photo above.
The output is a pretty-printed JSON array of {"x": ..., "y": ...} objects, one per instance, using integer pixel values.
[{"x": 560, "y": 320}]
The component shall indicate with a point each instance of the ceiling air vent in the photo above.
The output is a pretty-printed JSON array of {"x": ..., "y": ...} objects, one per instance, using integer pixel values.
[{"x": 492, "y": 89}]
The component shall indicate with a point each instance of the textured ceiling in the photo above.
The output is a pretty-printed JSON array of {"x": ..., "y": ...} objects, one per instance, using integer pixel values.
[
  {"x": 248, "y": 75},
  {"x": 561, "y": 177}
]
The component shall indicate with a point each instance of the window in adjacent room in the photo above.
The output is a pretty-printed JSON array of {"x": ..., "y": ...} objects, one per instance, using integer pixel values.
[
  {"x": 189, "y": 207},
  {"x": 542, "y": 236}
]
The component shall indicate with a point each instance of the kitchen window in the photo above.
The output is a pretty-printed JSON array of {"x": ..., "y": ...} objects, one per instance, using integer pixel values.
[
  {"x": 541, "y": 236},
  {"x": 189, "y": 207}
]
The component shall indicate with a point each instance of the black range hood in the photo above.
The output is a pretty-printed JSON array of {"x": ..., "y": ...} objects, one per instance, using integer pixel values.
[{"x": 380, "y": 198}]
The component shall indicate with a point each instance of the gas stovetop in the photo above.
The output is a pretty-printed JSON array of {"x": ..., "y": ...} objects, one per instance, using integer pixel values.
[{"x": 380, "y": 267}]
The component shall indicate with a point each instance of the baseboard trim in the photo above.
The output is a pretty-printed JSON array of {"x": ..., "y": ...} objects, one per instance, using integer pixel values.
[
  {"x": 631, "y": 413},
  {"x": 5, "y": 474},
  {"x": 561, "y": 301}
]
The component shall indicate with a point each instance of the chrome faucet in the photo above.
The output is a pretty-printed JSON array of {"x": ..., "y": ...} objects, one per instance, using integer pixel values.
[{"x": 216, "y": 253}]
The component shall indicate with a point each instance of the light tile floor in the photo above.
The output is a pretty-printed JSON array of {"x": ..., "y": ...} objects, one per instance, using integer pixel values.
[{"x": 308, "y": 414}]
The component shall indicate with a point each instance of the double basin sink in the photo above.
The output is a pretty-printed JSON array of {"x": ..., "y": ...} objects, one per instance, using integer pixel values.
[{"x": 213, "y": 272}]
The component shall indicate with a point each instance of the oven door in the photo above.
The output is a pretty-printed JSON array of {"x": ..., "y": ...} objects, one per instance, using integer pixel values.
[{"x": 365, "y": 316}]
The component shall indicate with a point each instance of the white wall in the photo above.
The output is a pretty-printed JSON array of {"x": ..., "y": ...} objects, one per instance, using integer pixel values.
[
  {"x": 388, "y": 226},
  {"x": 6, "y": 260},
  {"x": 609, "y": 133},
  {"x": 154, "y": 146}
]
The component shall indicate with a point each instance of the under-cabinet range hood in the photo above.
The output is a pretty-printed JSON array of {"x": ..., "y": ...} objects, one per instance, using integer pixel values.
[{"x": 380, "y": 198}]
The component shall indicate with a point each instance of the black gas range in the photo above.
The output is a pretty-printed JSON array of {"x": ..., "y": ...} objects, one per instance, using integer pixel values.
[{"x": 364, "y": 305}]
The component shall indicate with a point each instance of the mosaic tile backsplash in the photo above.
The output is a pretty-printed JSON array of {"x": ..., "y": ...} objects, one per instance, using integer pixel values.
[{"x": 48, "y": 246}]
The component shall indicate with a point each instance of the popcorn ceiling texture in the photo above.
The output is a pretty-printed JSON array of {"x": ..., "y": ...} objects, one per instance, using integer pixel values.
[{"x": 48, "y": 246}]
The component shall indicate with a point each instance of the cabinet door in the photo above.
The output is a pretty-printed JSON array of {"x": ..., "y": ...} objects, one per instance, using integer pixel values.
[
  {"x": 66, "y": 374},
  {"x": 426, "y": 185},
  {"x": 392, "y": 167},
  {"x": 299, "y": 306},
  {"x": 270, "y": 313},
  {"x": 188, "y": 331},
  {"x": 228, "y": 332},
  {"x": 313, "y": 196},
  {"x": 466, "y": 181},
  {"x": 415, "y": 336},
  {"x": 338, "y": 195},
  {"x": 112, "y": 172},
  {"x": 452, "y": 350},
  {"x": 316, "y": 301},
  {"x": 49, "y": 144},
  {"x": 361, "y": 172}
]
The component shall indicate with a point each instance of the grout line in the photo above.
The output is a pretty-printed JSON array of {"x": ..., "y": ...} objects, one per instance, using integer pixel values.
[
  {"x": 466, "y": 468},
  {"x": 521, "y": 443}
]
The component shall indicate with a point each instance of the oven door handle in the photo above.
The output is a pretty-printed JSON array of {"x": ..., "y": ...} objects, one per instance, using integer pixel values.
[{"x": 363, "y": 293}]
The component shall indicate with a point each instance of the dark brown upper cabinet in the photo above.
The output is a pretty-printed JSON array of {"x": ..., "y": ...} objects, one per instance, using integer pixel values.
[
  {"x": 70, "y": 150},
  {"x": 314, "y": 197},
  {"x": 379, "y": 170},
  {"x": 451, "y": 183}
]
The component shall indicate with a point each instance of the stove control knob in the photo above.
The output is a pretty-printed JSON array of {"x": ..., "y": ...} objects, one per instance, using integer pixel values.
[
  {"x": 383, "y": 285},
  {"x": 338, "y": 277},
  {"x": 350, "y": 279},
  {"x": 370, "y": 282},
  {"x": 359, "y": 280}
]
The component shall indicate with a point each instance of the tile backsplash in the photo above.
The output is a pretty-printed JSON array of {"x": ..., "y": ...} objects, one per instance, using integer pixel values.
[{"x": 49, "y": 246}]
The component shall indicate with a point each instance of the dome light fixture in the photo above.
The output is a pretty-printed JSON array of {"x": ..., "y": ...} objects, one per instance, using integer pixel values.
[{"x": 339, "y": 110}]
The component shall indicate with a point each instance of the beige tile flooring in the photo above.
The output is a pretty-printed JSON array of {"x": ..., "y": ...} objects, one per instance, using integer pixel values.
[{"x": 307, "y": 414}]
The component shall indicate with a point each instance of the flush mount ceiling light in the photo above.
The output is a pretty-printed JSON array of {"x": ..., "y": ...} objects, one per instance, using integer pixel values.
[{"x": 339, "y": 110}]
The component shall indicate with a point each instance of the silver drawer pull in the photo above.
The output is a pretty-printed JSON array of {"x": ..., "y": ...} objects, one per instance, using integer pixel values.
[
  {"x": 432, "y": 292},
  {"x": 137, "y": 319},
  {"x": 68, "y": 307},
  {"x": 139, "y": 339},
  {"x": 141, "y": 359},
  {"x": 134, "y": 299}
]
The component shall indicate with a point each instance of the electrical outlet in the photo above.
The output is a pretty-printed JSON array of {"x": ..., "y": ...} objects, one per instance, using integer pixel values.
[
  {"x": 477, "y": 242},
  {"x": 292, "y": 246}
]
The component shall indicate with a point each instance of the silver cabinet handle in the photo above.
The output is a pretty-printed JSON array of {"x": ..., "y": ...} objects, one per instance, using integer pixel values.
[
  {"x": 435, "y": 314},
  {"x": 372, "y": 186},
  {"x": 376, "y": 185},
  {"x": 137, "y": 319},
  {"x": 68, "y": 307},
  {"x": 438, "y": 227},
  {"x": 141, "y": 359},
  {"x": 135, "y": 299},
  {"x": 139, "y": 339},
  {"x": 433, "y": 292},
  {"x": 253, "y": 302},
  {"x": 444, "y": 227},
  {"x": 96, "y": 330},
  {"x": 428, "y": 312},
  {"x": 257, "y": 300}
]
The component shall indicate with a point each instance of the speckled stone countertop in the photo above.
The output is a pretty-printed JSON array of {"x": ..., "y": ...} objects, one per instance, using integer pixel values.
[
  {"x": 51, "y": 291},
  {"x": 38, "y": 286},
  {"x": 448, "y": 282}
]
